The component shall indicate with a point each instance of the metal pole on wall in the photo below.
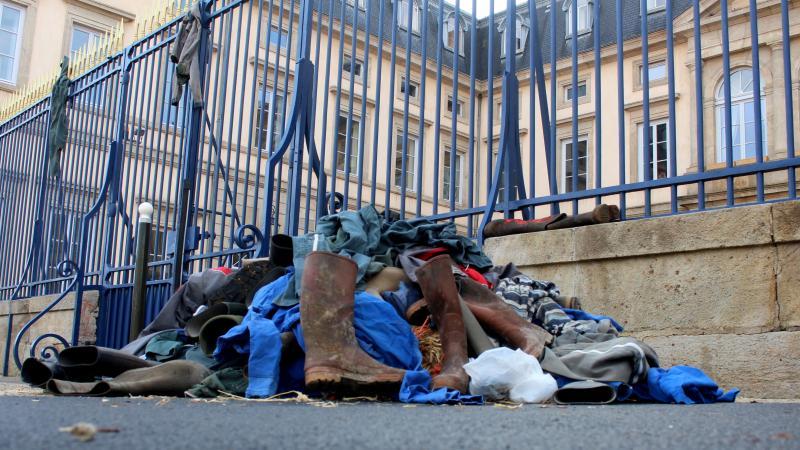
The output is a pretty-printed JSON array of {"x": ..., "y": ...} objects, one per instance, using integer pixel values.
[{"x": 139, "y": 297}]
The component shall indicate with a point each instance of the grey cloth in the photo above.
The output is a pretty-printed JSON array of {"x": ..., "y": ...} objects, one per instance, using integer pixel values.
[
  {"x": 585, "y": 393},
  {"x": 139, "y": 345},
  {"x": 171, "y": 378},
  {"x": 185, "y": 53},
  {"x": 57, "y": 135},
  {"x": 621, "y": 359},
  {"x": 185, "y": 301}
]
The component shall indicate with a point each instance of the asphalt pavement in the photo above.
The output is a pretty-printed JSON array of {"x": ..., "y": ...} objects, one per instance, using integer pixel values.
[{"x": 33, "y": 422}]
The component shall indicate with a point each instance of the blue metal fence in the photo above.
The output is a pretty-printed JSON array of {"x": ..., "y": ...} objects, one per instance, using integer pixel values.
[{"x": 420, "y": 107}]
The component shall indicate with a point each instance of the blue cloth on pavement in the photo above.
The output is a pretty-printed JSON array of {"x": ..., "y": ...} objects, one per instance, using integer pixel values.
[
  {"x": 415, "y": 390},
  {"x": 380, "y": 332},
  {"x": 681, "y": 384},
  {"x": 577, "y": 314}
]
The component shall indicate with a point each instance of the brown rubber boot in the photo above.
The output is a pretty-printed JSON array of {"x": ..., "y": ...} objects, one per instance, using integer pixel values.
[
  {"x": 438, "y": 285},
  {"x": 600, "y": 214},
  {"x": 495, "y": 315},
  {"x": 334, "y": 360},
  {"x": 505, "y": 227}
]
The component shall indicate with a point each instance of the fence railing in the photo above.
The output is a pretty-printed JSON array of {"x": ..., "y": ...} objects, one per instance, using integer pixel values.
[{"x": 420, "y": 107}]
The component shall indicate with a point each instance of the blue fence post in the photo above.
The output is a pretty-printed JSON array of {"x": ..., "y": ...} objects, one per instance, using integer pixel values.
[{"x": 189, "y": 172}]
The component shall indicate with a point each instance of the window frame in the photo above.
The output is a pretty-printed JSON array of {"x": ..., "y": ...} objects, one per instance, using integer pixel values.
[
  {"x": 95, "y": 35},
  {"x": 362, "y": 4},
  {"x": 460, "y": 106},
  {"x": 739, "y": 100},
  {"x": 168, "y": 110},
  {"x": 568, "y": 87},
  {"x": 398, "y": 148},
  {"x": 458, "y": 191},
  {"x": 523, "y": 30},
  {"x": 274, "y": 111},
  {"x": 402, "y": 23},
  {"x": 347, "y": 73},
  {"x": 654, "y": 124},
  {"x": 18, "y": 45},
  {"x": 654, "y": 7},
  {"x": 589, "y": 19},
  {"x": 456, "y": 26},
  {"x": 355, "y": 129},
  {"x": 412, "y": 83},
  {"x": 283, "y": 38},
  {"x": 565, "y": 188},
  {"x": 651, "y": 80}
]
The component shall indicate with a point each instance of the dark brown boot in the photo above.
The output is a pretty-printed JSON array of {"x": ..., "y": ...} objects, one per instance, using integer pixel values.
[
  {"x": 600, "y": 214},
  {"x": 496, "y": 316},
  {"x": 505, "y": 227},
  {"x": 438, "y": 285},
  {"x": 334, "y": 360}
]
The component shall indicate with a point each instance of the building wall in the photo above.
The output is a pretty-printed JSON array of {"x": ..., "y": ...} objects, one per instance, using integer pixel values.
[
  {"x": 47, "y": 28},
  {"x": 231, "y": 154}
]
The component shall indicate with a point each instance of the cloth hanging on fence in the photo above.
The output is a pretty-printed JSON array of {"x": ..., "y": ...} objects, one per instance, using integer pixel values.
[
  {"x": 57, "y": 135},
  {"x": 185, "y": 54}
]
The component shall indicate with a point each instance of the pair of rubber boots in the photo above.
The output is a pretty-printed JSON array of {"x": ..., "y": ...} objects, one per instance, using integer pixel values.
[
  {"x": 504, "y": 227},
  {"x": 443, "y": 295}
]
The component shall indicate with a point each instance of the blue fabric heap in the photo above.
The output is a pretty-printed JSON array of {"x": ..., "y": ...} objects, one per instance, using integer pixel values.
[
  {"x": 380, "y": 332},
  {"x": 681, "y": 384}
]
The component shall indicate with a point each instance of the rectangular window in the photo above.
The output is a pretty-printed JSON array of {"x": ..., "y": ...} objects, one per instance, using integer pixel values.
[
  {"x": 658, "y": 145},
  {"x": 276, "y": 38},
  {"x": 172, "y": 115},
  {"x": 411, "y": 155},
  {"x": 566, "y": 164},
  {"x": 11, "y": 22},
  {"x": 581, "y": 91},
  {"x": 459, "y": 107},
  {"x": 352, "y": 67},
  {"x": 341, "y": 145},
  {"x": 656, "y": 5},
  {"x": 81, "y": 38},
  {"x": 268, "y": 117},
  {"x": 411, "y": 86},
  {"x": 361, "y": 3},
  {"x": 584, "y": 17},
  {"x": 459, "y": 166},
  {"x": 657, "y": 71}
]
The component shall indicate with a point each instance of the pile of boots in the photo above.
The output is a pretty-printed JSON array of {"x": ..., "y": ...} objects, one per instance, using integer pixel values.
[
  {"x": 504, "y": 227},
  {"x": 461, "y": 309}
]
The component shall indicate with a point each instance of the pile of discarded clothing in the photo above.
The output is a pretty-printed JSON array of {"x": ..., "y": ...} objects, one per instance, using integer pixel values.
[{"x": 402, "y": 310}]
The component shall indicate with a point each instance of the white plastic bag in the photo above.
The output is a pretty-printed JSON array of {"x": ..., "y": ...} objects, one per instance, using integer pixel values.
[{"x": 502, "y": 373}]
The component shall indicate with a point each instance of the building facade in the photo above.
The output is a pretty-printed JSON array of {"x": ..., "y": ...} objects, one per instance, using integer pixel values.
[{"x": 407, "y": 110}]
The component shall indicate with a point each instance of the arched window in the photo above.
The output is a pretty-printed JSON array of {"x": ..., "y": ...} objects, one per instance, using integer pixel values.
[
  {"x": 584, "y": 16},
  {"x": 403, "y": 19},
  {"x": 522, "y": 35},
  {"x": 451, "y": 31},
  {"x": 742, "y": 116}
]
